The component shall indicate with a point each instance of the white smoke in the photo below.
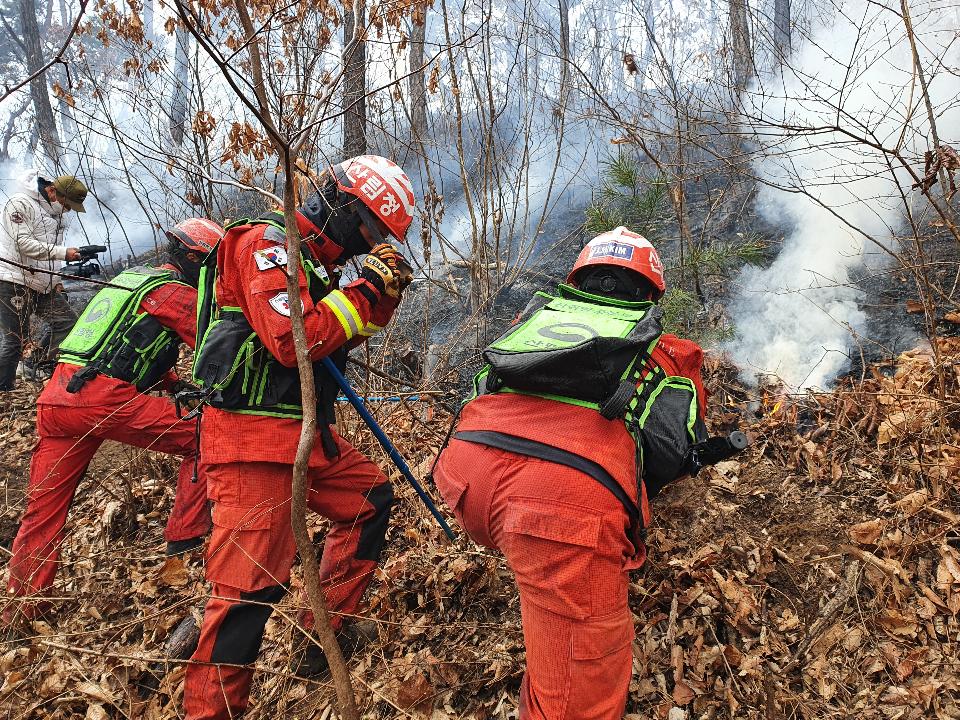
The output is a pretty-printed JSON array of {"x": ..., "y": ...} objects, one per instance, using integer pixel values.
[{"x": 833, "y": 194}]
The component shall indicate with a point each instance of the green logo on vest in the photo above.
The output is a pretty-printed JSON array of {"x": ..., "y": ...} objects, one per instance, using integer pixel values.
[
  {"x": 99, "y": 310},
  {"x": 554, "y": 332}
]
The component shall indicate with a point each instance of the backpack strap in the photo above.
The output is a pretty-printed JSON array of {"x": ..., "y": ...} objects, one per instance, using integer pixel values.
[
  {"x": 616, "y": 405},
  {"x": 541, "y": 451}
]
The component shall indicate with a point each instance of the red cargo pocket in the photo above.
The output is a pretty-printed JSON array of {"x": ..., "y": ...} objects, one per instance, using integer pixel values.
[
  {"x": 551, "y": 547},
  {"x": 600, "y": 637},
  {"x": 450, "y": 483},
  {"x": 552, "y": 520},
  {"x": 240, "y": 554}
]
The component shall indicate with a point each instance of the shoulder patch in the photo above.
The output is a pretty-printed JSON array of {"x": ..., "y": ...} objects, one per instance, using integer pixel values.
[
  {"x": 271, "y": 258},
  {"x": 16, "y": 217},
  {"x": 281, "y": 304}
]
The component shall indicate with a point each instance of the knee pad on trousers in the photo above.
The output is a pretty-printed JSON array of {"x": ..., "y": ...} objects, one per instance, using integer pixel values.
[
  {"x": 241, "y": 632},
  {"x": 374, "y": 530}
]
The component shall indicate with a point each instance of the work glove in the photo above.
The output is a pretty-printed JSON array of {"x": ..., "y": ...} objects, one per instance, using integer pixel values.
[
  {"x": 404, "y": 273},
  {"x": 186, "y": 396},
  {"x": 381, "y": 269}
]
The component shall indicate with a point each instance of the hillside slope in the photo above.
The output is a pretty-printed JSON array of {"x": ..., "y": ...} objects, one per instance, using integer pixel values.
[{"x": 817, "y": 576}]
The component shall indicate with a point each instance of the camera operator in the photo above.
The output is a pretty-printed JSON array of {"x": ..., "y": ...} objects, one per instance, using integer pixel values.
[{"x": 34, "y": 220}]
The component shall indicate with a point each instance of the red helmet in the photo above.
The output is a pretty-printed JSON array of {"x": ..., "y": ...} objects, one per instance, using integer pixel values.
[
  {"x": 625, "y": 249},
  {"x": 197, "y": 234},
  {"x": 383, "y": 187}
]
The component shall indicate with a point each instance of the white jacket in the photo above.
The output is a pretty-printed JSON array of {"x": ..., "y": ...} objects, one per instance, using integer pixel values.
[{"x": 32, "y": 235}]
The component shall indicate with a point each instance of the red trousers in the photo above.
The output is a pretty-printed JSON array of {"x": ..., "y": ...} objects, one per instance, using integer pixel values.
[
  {"x": 565, "y": 537},
  {"x": 250, "y": 554},
  {"x": 68, "y": 438}
]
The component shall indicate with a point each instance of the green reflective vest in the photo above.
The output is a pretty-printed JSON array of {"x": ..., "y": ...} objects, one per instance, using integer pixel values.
[
  {"x": 574, "y": 347},
  {"x": 593, "y": 351},
  {"x": 115, "y": 338},
  {"x": 232, "y": 363}
]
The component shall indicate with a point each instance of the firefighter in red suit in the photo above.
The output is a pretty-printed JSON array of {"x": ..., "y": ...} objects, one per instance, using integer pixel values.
[
  {"x": 526, "y": 475},
  {"x": 123, "y": 346},
  {"x": 247, "y": 363}
]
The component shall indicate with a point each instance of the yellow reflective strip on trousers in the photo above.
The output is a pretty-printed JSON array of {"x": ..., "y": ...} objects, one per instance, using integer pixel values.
[{"x": 345, "y": 311}]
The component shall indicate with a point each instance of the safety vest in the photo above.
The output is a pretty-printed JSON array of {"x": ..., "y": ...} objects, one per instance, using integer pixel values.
[
  {"x": 114, "y": 337},
  {"x": 594, "y": 351},
  {"x": 231, "y": 361}
]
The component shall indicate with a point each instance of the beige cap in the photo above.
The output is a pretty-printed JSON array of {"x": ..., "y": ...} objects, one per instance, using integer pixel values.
[{"x": 73, "y": 191}]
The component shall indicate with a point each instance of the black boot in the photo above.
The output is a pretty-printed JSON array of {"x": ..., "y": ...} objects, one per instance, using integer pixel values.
[
  {"x": 309, "y": 660},
  {"x": 179, "y": 547}
]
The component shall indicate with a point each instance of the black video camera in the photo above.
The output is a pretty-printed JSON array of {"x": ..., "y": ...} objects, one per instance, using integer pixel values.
[{"x": 87, "y": 266}]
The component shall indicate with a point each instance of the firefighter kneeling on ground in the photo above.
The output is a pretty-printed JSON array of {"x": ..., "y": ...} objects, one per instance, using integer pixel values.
[
  {"x": 123, "y": 346},
  {"x": 248, "y": 364},
  {"x": 581, "y": 397}
]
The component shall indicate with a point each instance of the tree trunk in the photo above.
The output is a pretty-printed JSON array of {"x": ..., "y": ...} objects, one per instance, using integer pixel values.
[
  {"x": 781, "y": 28},
  {"x": 68, "y": 125},
  {"x": 346, "y": 699},
  {"x": 354, "y": 80},
  {"x": 740, "y": 44},
  {"x": 417, "y": 88},
  {"x": 563, "y": 6},
  {"x": 46, "y": 124},
  {"x": 308, "y": 428},
  {"x": 180, "y": 98},
  {"x": 649, "y": 52},
  {"x": 148, "y": 21}
]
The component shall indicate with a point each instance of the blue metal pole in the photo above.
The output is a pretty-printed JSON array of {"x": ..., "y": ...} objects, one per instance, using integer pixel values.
[{"x": 385, "y": 442}]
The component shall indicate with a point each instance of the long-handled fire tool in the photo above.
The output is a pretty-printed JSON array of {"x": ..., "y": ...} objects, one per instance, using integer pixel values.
[{"x": 385, "y": 442}]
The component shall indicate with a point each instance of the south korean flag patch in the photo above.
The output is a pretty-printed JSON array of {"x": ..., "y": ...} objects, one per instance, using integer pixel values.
[{"x": 271, "y": 258}]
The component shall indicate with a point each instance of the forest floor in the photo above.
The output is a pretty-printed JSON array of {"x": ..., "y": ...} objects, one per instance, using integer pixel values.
[{"x": 816, "y": 576}]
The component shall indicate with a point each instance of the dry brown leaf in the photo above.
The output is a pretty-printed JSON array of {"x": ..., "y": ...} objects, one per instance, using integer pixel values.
[
  {"x": 914, "y": 306},
  {"x": 896, "y": 696},
  {"x": 853, "y": 639},
  {"x": 414, "y": 691},
  {"x": 895, "y": 622},
  {"x": 868, "y": 532},
  {"x": 948, "y": 571},
  {"x": 10, "y": 681},
  {"x": 913, "y": 503},
  {"x": 733, "y": 656},
  {"x": 682, "y": 694},
  {"x": 173, "y": 573},
  {"x": 96, "y": 692},
  {"x": 96, "y": 711}
]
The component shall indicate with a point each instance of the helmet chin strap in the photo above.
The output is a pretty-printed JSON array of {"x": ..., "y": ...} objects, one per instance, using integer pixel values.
[
  {"x": 370, "y": 221},
  {"x": 338, "y": 215}
]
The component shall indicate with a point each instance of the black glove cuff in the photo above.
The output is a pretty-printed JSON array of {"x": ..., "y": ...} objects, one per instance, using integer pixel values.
[
  {"x": 372, "y": 297},
  {"x": 374, "y": 279}
]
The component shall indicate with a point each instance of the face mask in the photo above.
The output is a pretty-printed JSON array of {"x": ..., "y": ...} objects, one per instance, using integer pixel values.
[
  {"x": 56, "y": 209},
  {"x": 335, "y": 214},
  {"x": 177, "y": 256},
  {"x": 190, "y": 272}
]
